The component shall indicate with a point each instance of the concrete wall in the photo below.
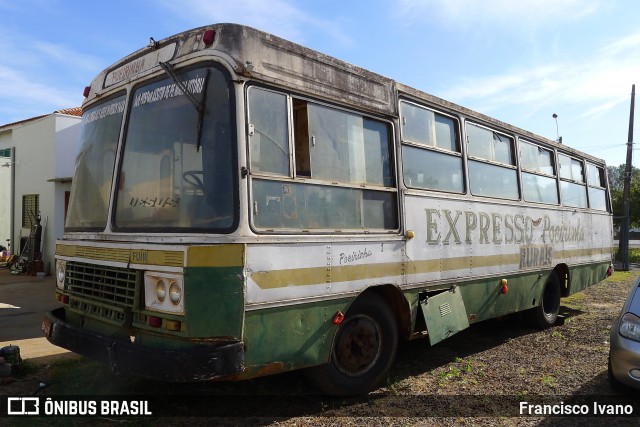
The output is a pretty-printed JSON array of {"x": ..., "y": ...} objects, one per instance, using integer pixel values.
[
  {"x": 66, "y": 143},
  {"x": 46, "y": 149},
  {"x": 34, "y": 166},
  {"x": 5, "y": 190},
  {"x": 5, "y": 201}
]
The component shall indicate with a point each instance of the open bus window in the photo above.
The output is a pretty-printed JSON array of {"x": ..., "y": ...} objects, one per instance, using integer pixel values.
[
  {"x": 91, "y": 188},
  {"x": 268, "y": 134},
  {"x": 177, "y": 173},
  {"x": 347, "y": 147},
  {"x": 337, "y": 153}
]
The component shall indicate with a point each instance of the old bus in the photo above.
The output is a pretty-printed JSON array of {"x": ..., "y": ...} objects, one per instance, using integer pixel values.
[{"x": 244, "y": 206}]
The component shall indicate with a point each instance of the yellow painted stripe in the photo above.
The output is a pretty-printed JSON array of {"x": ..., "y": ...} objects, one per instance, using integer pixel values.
[
  {"x": 315, "y": 275},
  {"x": 124, "y": 255},
  {"x": 216, "y": 256},
  {"x": 571, "y": 253}
]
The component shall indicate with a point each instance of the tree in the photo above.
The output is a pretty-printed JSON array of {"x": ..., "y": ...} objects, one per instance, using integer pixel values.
[{"x": 616, "y": 185}]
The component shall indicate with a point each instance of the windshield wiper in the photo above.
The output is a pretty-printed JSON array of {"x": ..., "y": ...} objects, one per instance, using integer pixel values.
[{"x": 199, "y": 105}]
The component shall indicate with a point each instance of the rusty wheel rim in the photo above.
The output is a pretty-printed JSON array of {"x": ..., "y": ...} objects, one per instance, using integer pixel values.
[{"x": 358, "y": 345}]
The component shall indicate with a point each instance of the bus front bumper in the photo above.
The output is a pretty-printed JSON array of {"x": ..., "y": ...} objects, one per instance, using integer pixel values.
[{"x": 198, "y": 362}]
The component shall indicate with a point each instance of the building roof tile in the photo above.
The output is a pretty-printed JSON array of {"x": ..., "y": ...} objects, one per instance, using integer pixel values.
[{"x": 74, "y": 111}]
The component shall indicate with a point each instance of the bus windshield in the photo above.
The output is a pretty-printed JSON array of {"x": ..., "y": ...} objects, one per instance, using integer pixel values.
[
  {"x": 94, "y": 168},
  {"x": 177, "y": 163}
]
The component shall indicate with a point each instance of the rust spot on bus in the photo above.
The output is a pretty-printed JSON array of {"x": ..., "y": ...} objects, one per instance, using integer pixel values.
[{"x": 259, "y": 371}]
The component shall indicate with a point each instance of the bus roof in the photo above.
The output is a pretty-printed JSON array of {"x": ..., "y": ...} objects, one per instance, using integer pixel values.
[{"x": 263, "y": 56}]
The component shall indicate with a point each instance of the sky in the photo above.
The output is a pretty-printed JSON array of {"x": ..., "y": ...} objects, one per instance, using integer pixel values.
[{"x": 519, "y": 61}]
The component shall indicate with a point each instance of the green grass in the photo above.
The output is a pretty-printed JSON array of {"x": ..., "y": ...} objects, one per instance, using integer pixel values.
[
  {"x": 575, "y": 301},
  {"x": 634, "y": 255}
]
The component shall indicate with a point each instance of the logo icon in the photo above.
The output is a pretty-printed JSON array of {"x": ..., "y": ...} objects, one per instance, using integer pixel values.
[{"x": 23, "y": 406}]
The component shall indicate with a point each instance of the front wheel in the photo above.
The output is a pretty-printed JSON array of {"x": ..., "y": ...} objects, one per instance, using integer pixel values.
[
  {"x": 546, "y": 313},
  {"x": 614, "y": 383},
  {"x": 363, "y": 350}
]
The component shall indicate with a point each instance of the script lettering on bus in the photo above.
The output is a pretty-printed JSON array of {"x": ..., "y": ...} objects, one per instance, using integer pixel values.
[
  {"x": 354, "y": 256},
  {"x": 456, "y": 227}
]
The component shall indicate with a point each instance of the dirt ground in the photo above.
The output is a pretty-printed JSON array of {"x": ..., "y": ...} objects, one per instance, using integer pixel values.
[{"x": 478, "y": 377}]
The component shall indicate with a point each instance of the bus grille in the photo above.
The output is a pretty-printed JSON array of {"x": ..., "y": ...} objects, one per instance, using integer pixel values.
[{"x": 102, "y": 291}]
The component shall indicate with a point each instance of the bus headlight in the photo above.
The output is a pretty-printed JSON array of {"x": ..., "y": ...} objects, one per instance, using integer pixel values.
[
  {"x": 161, "y": 290},
  {"x": 61, "y": 270},
  {"x": 158, "y": 286},
  {"x": 175, "y": 293}
]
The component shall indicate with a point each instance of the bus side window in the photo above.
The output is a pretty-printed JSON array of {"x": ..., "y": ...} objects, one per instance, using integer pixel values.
[
  {"x": 572, "y": 188},
  {"x": 301, "y": 138},
  {"x": 431, "y": 154},
  {"x": 269, "y": 142},
  {"x": 345, "y": 164},
  {"x": 596, "y": 187},
  {"x": 492, "y": 170},
  {"x": 538, "y": 174}
]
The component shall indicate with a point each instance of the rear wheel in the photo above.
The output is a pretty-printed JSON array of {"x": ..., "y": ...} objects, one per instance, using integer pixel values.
[
  {"x": 363, "y": 349},
  {"x": 546, "y": 313}
]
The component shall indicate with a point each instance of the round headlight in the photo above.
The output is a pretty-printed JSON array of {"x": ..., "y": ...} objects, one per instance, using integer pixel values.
[
  {"x": 175, "y": 293},
  {"x": 161, "y": 291},
  {"x": 60, "y": 274}
]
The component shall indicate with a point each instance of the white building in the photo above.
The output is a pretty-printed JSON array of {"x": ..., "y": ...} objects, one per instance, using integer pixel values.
[{"x": 37, "y": 163}]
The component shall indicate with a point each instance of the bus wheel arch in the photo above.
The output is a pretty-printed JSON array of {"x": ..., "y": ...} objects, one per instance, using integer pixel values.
[
  {"x": 545, "y": 313},
  {"x": 398, "y": 304},
  {"x": 562, "y": 271},
  {"x": 363, "y": 348}
]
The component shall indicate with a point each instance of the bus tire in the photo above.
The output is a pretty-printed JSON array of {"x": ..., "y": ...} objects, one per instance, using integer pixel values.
[
  {"x": 363, "y": 349},
  {"x": 546, "y": 313}
]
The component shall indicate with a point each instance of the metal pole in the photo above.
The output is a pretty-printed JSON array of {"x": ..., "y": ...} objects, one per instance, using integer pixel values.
[
  {"x": 12, "y": 221},
  {"x": 626, "y": 194}
]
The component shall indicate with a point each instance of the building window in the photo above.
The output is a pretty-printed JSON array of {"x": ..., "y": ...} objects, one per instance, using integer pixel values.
[{"x": 30, "y": 208}]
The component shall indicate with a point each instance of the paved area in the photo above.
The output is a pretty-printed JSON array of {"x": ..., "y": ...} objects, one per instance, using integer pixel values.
[{"x": 24, "y": 300}]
